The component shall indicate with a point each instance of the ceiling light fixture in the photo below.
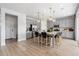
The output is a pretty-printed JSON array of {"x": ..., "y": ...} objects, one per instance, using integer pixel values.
[
  {"x": 38, "y": 16},
  {"x": 50, "y": 17}
]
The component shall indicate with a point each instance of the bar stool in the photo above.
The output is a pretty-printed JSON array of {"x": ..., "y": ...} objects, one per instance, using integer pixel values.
[
  {"x": 37, "y": 37},
  {"x": 43, "y": 38},
  {"x": 48, "y": 41},
  {"x": 58, "y": 39},
  {"x": 52, "y": 40}
]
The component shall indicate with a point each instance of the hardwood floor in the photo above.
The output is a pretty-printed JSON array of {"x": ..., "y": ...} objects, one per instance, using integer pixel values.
[
  {"x": 28, "y": 48},
  {"x": 11, "y": 40}
]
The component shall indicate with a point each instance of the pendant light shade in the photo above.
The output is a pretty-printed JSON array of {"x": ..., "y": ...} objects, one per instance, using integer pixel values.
[
  {"x": 38, "y": 20},
  {"x": 50, "y": 17},
  {"x": 54, "y": 20}
]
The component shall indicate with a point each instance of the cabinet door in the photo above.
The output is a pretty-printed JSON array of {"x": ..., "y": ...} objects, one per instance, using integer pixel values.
[
  {"x": 63, "y": 34},
  {"x": 68, "y": 35},
  {"x": 29, "y": 34}
]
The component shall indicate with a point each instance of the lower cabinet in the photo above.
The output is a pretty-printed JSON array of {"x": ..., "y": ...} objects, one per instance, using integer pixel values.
[
  {"x": 29, "y": 34},
  {"x": 69, "y": 35}
]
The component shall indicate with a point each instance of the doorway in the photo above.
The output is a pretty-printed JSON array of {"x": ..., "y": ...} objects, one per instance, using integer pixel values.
[{"x": 11, "y": 28}]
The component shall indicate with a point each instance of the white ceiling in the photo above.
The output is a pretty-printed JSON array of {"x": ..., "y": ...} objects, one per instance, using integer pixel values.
[{"x": 31, "y": 9}]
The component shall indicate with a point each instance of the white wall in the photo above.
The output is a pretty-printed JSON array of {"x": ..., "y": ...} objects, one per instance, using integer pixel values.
[
  {"x": 10, "y": 26},
  {"x": 21, "y": 25},
  {"x": 0, "y": 27},
  {"x": 77, "y": 25}
]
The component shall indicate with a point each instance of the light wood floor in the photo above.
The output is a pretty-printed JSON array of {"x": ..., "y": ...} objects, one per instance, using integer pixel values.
[{"x": 28, "y": 48}]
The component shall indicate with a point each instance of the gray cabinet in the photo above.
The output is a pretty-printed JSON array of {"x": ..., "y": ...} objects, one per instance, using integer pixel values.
[
  {"x": 68, "y": 35},
  {"x": 28, "y": 34}
]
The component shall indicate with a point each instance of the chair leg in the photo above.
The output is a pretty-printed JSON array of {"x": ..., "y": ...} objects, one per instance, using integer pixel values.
[
  {"x": 58, "y": 42},
  {"x": 41, "y": 41},
  {"x": 46, "y": 42},
  {"x": 38, "y": 40},
  {"x": 54, "y": 42},
  {"x": 51, "y": 41},
  {"x": 34, "y": 39}
]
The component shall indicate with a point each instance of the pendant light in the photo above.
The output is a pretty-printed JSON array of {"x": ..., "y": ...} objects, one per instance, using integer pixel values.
[
  {"x": 38, "y": 16},
  {"x": 50, "y": 17}
]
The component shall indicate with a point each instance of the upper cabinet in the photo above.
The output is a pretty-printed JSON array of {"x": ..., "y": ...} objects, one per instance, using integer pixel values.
[{"x": 0, "y": 12}]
